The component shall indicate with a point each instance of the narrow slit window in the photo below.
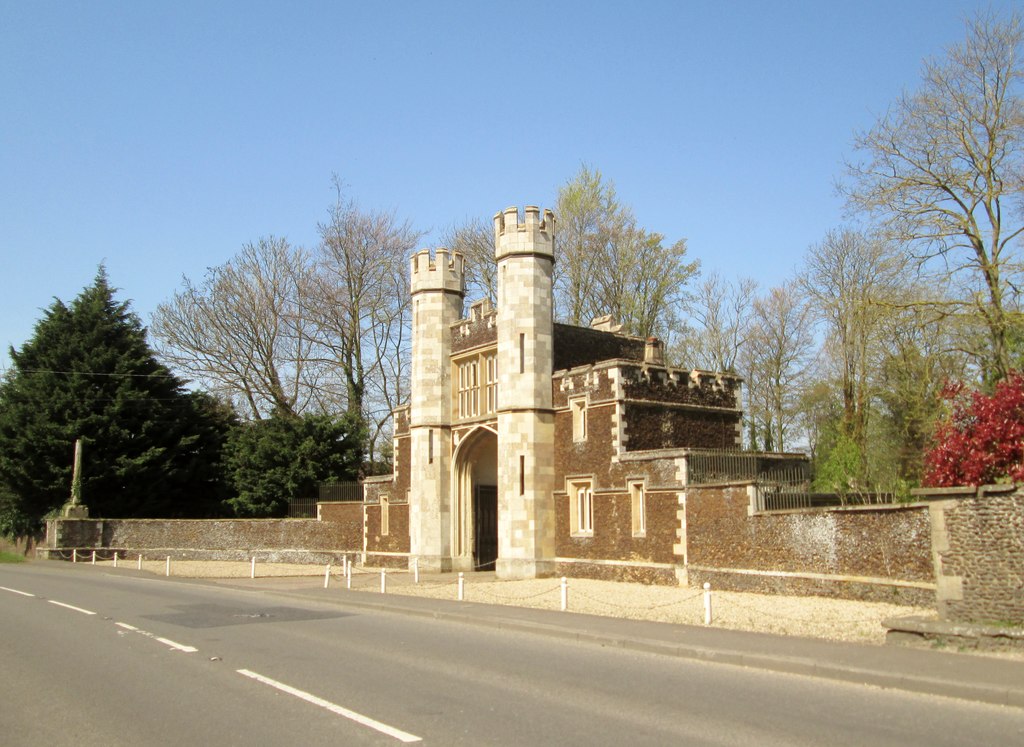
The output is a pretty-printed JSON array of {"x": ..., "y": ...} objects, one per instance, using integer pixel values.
[
  {"x": 430, "y": 446},
  {"x": 522, "y": 475},
  {"x": 492, "y": 383},
  {"x": 578, "y": 407},
  {"x": 638, "y": 501},
  {"x": 522, "y": 353},
  {"x": 385, "y": 518}
]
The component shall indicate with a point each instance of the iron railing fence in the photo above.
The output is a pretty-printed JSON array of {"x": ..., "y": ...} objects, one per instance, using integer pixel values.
[
  {"x": 783, "y": 481},
  {"x": 305, "y": 508},
  {"x": 779, "y": 470},
  {"x": 341, "y": 491},
  {"x": 302, "y": 508}
]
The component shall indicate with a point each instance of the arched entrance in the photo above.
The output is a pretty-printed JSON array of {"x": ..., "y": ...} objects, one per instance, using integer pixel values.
[{"x": 475, "y": 543}]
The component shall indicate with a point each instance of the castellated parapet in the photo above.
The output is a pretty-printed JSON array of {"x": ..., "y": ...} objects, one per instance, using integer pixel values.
[
  {"x": 445, "y": 272},
  {"x": 532, "y": 236}
]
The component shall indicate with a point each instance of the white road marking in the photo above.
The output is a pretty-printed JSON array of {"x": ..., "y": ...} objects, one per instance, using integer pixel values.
[
  {"x": 70, "y": 607},
  {"x": 15, "y": 591},
  {"x": 179, "y": 646},
  {"x": 165, "y": 641},
  {"x": 390, "y": 731}
]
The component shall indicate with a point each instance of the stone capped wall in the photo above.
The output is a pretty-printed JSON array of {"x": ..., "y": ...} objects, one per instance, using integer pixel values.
[
  {"x": 876, "y": 553},
  {"x": 269, "y": 540}
]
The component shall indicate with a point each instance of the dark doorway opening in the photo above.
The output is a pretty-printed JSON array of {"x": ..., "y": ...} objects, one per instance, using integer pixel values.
[{"x": 485, "y": 526}]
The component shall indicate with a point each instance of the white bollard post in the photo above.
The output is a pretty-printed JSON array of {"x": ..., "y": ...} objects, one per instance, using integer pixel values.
[
  {"x": 93, "y": 557},
  {"x": 74, "y": 555},
  {"x": 348, "y": 576},
  {"x": 167, "y": 571},
  {"x": 415, "y": 570},
  {"x": 344, "y": 565},
  {"x": 383, "y": 581},
  {"x": 115, "y": 558},
  {"x": 252, "y": 567},
  {"x": 140, "y": 561},
  {"x": 462, "y": 586},
  {"x": 327, "y": 576},
  {"x": 707, "y": 604},
  {"x": 565, "y": 594}
]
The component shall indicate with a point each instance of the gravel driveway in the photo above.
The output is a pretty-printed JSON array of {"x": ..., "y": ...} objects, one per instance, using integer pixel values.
[{"x": 817, "y": 617}]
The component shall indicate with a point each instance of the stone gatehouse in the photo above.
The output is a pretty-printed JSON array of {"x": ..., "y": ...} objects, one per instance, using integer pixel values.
[{"x": 537, "y": 448}]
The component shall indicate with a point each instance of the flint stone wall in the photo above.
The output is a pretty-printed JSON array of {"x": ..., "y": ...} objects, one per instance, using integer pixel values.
[
  {"x": 268, "y": 540},
  {"x": 871, "y": 553},
  {"x": 979, "y": 553}
]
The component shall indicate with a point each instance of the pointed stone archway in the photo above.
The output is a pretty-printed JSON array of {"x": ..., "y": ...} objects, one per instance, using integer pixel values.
[{"x": 475, "y": 510}]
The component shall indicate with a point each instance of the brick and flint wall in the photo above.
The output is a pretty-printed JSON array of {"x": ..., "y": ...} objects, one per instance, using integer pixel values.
[
  {"x": 387, "y": 542},
  {"x": 268, "y": 540},
  {"x": 872, "y": 553}
]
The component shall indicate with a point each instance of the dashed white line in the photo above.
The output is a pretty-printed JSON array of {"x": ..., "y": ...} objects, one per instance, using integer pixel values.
[
  {"x": 359, "y": 718},
  {"x": 179, "y": 646},
  {"x": 165, "y": 641},
  {"x": 15, "y": 591},
  {"x": 70, "y": 607}
]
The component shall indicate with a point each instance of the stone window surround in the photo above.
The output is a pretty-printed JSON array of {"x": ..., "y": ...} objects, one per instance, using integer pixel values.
[
  {"x": 638, "y": 505},
  {"x": 578, "y": 407},
  {"x": 580, "y": 492}
]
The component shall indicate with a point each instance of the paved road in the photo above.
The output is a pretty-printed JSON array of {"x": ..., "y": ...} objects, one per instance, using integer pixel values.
[{"x": 169, "y": 662}]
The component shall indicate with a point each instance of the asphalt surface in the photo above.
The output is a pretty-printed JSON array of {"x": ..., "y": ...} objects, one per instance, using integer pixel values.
[
  {"x": 974, "y": 677},
  {"x": 980, "y": 678},
  {"x": 105, "y": 657}
]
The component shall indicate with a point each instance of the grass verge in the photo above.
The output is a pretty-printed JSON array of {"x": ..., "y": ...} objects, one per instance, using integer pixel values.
[{"x": 11, "y": 557}]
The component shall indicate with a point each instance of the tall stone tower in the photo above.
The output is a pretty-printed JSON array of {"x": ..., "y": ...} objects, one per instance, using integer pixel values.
[
  {"x": 437, "y": 292},
  {"x": 526, "y": 426}
]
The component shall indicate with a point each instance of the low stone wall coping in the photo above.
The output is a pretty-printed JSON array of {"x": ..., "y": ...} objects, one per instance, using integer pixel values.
[{"x": 963, "y": 491}]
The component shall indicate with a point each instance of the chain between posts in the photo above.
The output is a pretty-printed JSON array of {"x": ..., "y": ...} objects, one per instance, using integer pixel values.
[{"x": 482, "y": 590}]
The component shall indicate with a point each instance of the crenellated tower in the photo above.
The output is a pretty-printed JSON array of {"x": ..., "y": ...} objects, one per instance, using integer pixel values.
[
  {"x": 526, "y": 517},
  {"x": 438, "y": 288}
]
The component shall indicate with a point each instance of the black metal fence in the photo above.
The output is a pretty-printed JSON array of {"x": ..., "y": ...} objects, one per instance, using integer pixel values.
[
  {"x": 341, "y": 491},
  {"x": 783, "y": 481},
  {"x": 302, "y": 508},
  {"x": 791, "y": 471},
  {"x": 305, "y": 508}
]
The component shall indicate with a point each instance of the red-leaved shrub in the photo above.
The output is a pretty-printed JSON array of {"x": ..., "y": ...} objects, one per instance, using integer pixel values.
[{"x": 982, "y": 439}]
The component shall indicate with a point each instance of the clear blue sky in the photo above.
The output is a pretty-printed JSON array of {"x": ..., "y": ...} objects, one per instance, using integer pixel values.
[{"x": 158, "y": 137}]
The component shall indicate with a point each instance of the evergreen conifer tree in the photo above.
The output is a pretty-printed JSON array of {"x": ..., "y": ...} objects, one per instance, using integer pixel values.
[
  {"x": 282, "y": 458},
  {"x": 151, "y": 448}
]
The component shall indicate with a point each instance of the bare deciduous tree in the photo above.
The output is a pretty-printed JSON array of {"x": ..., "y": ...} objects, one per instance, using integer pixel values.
[
  {"x": 944, "y": 170},
  {"x": 241, "y": 331},
  {"x": 475, "y": 239},
  {"x": 606, "y": 264},
  {"x": 777, "y": 356},
  {"x": 852, "y": 281},
  {"x": 585, "y": 203},
  {"x": 721, "y": 310},
  {"x": 358, "y": 300}
]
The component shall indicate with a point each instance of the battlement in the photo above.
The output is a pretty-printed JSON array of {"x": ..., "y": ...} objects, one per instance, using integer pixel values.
[
  {"x": 443, "y": 272},
  {"x": 531, "y": 236}
]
